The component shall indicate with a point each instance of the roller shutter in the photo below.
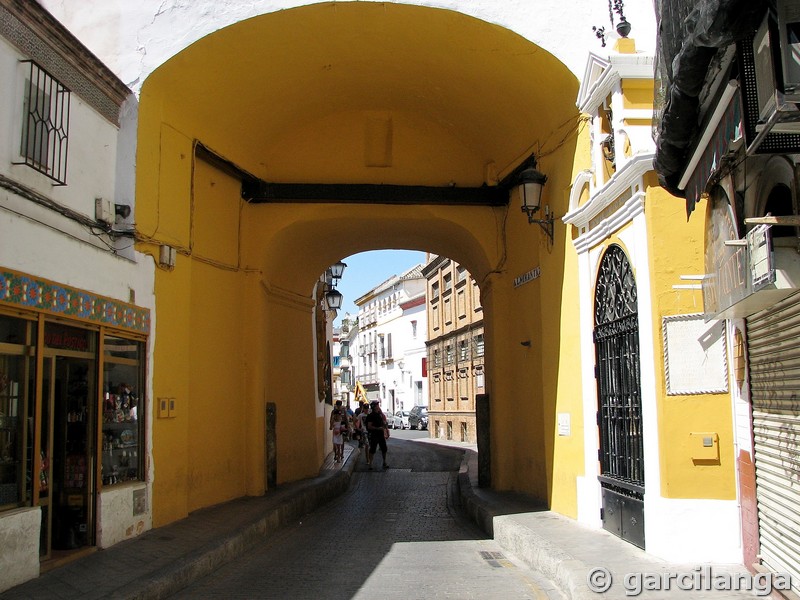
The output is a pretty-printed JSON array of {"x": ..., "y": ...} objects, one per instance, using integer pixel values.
[{"x": 773, "y": 339}]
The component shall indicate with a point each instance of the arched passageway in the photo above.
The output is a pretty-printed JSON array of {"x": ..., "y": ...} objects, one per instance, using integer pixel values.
[{"x": 339, "y": 94}]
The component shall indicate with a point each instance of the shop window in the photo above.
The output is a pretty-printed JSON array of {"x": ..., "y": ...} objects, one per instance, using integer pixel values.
[
  {"x": 123, "y": 410},
  {"x": 45, "y": 124},
  {"x": 17, "y": 367}
]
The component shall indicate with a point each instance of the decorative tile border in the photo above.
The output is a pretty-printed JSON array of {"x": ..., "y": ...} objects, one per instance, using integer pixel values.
[{"x": 34, "y": 293}]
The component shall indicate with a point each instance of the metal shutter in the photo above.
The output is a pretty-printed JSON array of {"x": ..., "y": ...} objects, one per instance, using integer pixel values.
[{"x": 773, "y": 339}]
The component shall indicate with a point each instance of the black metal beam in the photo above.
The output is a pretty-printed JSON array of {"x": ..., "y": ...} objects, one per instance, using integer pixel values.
[{"x": 257, "y": 192}]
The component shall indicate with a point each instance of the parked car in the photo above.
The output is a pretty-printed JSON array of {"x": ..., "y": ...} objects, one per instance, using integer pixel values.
[
  {"x": 401, "y": 419},
  {"x": 392, "y": 420},
  {"x": 418, "y": 417}
]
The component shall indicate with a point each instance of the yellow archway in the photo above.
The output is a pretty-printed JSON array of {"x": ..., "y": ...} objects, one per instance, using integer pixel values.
[{"x": 336, "y": 93}]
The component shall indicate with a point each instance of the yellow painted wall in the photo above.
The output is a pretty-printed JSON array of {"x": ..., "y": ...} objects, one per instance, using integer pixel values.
[
  {"x": 677, "y": 249},
  {"x": 234, "y": 318},
  {"x": 637, "y": 94}
]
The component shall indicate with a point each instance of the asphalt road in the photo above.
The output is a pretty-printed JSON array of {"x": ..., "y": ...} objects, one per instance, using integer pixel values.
[{"x": 395, "y": 534}]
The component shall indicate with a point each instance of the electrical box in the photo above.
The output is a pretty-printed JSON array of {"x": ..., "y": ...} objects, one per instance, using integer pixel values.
[
  {"x": 163, "y": 408},
  {"x": 166, "y": 256},
  {"x": 104, "y": 210},
  {"x": 704, "y": 446}
]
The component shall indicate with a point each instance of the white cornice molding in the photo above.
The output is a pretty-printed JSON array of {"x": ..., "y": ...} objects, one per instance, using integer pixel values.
[
  {"x": 623, "y": 180},
  {"x": 618, "y": 67},
  {"x": 633, "y": 207}
]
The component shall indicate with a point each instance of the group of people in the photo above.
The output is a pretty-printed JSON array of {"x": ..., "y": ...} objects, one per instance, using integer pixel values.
[{"x": 367, "y": 425}]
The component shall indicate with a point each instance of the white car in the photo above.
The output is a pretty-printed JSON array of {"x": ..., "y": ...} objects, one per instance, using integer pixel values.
[
  {"x": 391, "y": 420},
  {"x": 401, "y": 418}
]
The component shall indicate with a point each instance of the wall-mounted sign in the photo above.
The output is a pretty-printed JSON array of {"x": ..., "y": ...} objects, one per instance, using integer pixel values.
[
  {"x": 759, "y": 244},
  {"x": 534, "y": 273},
  {"x": 727, "y": 280},
  {"x": 695, "y": 360},
  {"x": 564, "y": 426}
]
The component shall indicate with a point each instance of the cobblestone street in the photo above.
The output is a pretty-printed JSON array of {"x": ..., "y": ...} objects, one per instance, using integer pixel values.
[{"x": 396, "y": 533}]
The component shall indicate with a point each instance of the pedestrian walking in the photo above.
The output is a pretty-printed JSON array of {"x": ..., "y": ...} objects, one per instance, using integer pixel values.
[
  {"x": 378, "y": 432},
  {"x": 337, "y": 430}
]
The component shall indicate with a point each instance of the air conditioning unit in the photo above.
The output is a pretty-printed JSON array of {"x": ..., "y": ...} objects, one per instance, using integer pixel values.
[
  {"x": 766, "y": 84},
  {"x": 789, "y": 36},
  {"x": 776, "y": 50},
  {"x": 104, "y": 210}
]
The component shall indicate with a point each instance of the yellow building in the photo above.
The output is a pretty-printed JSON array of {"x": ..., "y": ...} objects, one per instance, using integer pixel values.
[
  {"x": 456, "y": 350},
  {"x": 276, "y": 145},
  {"x": 655, "y": 419}
]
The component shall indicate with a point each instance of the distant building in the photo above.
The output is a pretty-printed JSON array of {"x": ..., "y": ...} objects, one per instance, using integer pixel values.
[
  {"x": 455, "y": 349},
  {"x": 348, "y": 334},
  {"x": 391, "y": 341}
]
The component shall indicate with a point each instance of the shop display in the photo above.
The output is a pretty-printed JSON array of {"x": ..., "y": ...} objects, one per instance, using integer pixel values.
[{"x": 121, "y": 427}]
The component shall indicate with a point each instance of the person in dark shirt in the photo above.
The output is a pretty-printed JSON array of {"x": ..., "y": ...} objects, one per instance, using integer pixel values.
[{"x": 376, "y": 428}]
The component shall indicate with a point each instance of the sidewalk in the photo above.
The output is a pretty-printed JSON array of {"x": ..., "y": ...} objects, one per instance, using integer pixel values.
[
  {"x": 569, "y": 553},
  {"x": 162, "y": 561}
]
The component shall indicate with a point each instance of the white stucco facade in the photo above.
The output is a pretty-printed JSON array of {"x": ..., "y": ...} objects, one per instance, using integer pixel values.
[
  {"x": 49, "y": 231},
  {"x": 391, "y": 341},
  {"x": 134, "y": 38}
]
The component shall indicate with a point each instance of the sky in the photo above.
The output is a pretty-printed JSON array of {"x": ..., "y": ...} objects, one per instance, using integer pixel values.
[{"x": 366, "y": 270}]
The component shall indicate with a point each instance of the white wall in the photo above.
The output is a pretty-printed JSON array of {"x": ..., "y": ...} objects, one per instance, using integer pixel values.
[{"x": 134, "y": 38}]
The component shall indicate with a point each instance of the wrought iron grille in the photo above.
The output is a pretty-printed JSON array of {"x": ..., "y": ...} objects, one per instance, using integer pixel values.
[
  {"x": 616, "y": 338},
  {"x": 45, "y": 127}
]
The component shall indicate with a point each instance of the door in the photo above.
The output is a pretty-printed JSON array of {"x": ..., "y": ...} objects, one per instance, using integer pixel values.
[
  {"x": 619, "y": 415},
  {"x": 68, "y": 444}
]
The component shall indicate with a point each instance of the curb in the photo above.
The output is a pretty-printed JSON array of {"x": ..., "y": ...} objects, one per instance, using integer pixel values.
[
  {"x": 293, "y": 504},
  {"x": 563, "y": 569}
]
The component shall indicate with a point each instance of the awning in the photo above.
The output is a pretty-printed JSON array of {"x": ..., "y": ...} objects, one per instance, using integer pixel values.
[{"x": 714, "y": 147}]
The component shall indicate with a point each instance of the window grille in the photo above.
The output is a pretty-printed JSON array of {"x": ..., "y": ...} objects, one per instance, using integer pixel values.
[{"x": 45, "y": 124}]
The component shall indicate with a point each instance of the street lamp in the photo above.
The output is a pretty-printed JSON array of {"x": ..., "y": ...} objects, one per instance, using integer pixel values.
[
  {"x": 530, "y": 183},
  {"x": 333, "y": 299},
  {"x": 337, "y": 270}
]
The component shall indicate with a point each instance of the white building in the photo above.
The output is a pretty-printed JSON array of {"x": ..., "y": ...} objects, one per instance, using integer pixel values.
[
  {"x": 390, "y": 356},
  {"x": 348, "y": 342},
  {"x": 76, "y": 302}
]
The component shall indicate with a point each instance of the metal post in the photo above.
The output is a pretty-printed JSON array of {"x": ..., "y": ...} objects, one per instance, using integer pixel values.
[
  {"x": 271, "y": 445},
  {"x": 482, "y": 428}
]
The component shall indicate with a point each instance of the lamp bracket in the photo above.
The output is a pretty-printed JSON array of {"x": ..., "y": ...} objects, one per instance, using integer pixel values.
[{"x": 547, "y": 224}]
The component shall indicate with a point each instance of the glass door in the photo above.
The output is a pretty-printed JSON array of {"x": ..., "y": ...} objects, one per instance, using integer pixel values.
[
  {"x": 46, "y": 468},
  {"x": 73, "y": 444},
  {"x": 68, "y": 440}
]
